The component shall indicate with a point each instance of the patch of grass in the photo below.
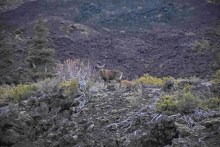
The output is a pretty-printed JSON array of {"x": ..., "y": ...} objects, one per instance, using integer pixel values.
[{"x": 147, "y": 79}]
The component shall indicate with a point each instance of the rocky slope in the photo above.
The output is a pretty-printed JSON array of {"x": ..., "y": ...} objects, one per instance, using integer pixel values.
[
  {"x": 162, "y": 38},
  {"x": 105, "y": 117}
]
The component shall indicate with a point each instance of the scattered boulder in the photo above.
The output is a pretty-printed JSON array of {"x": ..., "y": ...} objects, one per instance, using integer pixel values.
[{"x": 119, "y": 117}]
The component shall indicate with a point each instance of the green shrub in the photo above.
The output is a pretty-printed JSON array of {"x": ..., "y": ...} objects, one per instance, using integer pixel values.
[
  {"x": 210, "y": 103},
  {"x": 4, "y": 93},
  {"x": 20, "y": 91},
  {"x": 50, "y": 85},
  {"x": 147, "y": 79},
  {"x": 188, "y": 103},
  {"x": 183, "y": 101},
  {"x": 16, "y": 92},
  {"x": 217, "y": 77},
  {"x": 167, "y": 104},
  {"x": 71, "y": 87}
]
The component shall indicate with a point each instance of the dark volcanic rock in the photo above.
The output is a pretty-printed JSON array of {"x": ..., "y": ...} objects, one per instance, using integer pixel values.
[{"x": 119, "y": 117}]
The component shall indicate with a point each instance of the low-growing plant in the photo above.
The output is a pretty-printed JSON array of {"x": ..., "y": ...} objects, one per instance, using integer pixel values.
[
  {"x": 147, "y": 79},
  {"x": 49, "y": 84},
  {"x": 217, "y": 77},
  {"x": 201, "y": 45},
  {"x": 17, "y": 92},
  {"x": 187, "y": 88},
  {"x": 183, "y": 101},
  {"x": 4, "y": 93},
  {"x": 167, "y": 104},
  {"x": 20, "y": 91},
  {"x": 210, "y": 103},
  {"x": 71, "y": 87},
  {"x": 188, "y": 103}
]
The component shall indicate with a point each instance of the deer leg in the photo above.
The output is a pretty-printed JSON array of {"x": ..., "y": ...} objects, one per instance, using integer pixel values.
[
  {"x": 107, "y": 80},
  {"x": 119, "y": 81}
]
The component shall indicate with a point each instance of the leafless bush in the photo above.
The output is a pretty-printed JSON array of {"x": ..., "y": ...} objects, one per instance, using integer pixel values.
[{"x": 75, "y": 69}]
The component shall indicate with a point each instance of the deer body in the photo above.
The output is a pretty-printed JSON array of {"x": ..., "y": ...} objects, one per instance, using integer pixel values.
[{"x": 108, "y": 75}]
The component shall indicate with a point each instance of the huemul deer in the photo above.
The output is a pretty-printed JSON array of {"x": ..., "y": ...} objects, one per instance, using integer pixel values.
[{"x": 108, "y": 75}]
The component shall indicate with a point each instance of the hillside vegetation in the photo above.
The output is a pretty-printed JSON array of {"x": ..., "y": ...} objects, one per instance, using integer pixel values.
[{"x": 52, "y": 93}]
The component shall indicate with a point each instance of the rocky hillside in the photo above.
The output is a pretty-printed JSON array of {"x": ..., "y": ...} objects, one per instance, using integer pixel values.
[
  {"x": 108, "y": 117},
  {"x": 168, "y": 51}
]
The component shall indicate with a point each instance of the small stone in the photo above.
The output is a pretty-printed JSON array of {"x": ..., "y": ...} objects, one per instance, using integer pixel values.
[
  {"x": 73, "y": 109},
  {"x": 75, "y": 137},
  {"x": 90, "y": 128}
]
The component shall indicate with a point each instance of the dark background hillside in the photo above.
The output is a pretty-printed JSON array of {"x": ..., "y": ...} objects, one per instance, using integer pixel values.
[{"x": 143, "y": 36}]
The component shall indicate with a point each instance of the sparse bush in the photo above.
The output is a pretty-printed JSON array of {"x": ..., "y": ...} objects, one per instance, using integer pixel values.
[
  {"x": 84, "y": 30},
  {"x": 17, "y": 92},
  {"x": 188, "y": 103},
  {"x": 217, "y": 77},
  {"x": 147, "y": 79},
  {"x": 4, "y": 92},
  {"x": 40, "y": 75},
  {"x": 71, "y": 87},
  {"x": 75, "y": 69},
  {"x": 167, "y": 104},
  {"x": 182, "y": 101},
  {"x": 187, "y": 88},
  {"x": 210, "y": 103},
  {"x": 20, "y": 91},
  {"x": 49, "y": 85},
  {"x": 215, "y": 34},
  {"x": 201, "y": 45}
]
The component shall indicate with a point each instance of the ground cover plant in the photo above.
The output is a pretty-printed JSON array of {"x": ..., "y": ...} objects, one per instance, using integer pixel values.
[{"x": 184, "y": 101}]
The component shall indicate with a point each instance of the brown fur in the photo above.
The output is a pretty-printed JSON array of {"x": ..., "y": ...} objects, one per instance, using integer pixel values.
[
  {"x": 108, "y": 75},
  {"x": 126, "y": 82}
]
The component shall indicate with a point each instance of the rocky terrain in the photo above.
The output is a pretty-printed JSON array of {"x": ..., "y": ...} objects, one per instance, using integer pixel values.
[
  {"x": 162, "y": 38},
  {"x": 106, "y": 117}
]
